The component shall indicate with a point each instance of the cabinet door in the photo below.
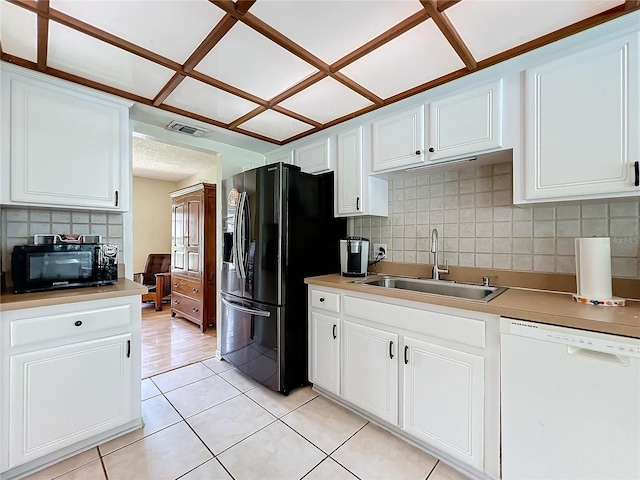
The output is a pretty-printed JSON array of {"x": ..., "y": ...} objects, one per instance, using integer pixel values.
[
  {"x": 178, "y": 222},
  {"x": 466, "y": 123},
  {"x": 67, "y": 149},
  {"x": 63, "y": 395},
  {"x": 398, "y": 141},
  {"x": 582, "y": 124},
  {"x": 443, "y": 399},
  {"x": 370, "y": 370},
  {"x": 284, "y": 157},
  {"x": 325, "y": 352},
  {"x": 315, "y": 157},
  {"x": 349, "y": 175},
  {"x": 193, "y": 233}
]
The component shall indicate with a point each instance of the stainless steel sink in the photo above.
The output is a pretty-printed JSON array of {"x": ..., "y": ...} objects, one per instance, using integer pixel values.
[{"x": 478, "y": 293}]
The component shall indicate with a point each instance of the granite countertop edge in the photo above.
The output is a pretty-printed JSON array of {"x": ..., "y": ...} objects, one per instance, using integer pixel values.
[{"x": 553, "y": 308}]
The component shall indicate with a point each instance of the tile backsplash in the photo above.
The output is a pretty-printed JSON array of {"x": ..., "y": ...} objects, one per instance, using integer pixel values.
[
  {"x": 479, "y": 227},
  {"x": 19, "y": 225}
]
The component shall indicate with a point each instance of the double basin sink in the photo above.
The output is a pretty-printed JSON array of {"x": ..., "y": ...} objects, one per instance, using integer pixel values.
[{"x": 478, "y": 293}]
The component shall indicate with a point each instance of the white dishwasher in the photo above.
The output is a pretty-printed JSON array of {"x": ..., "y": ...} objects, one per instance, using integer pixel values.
[{"x": 570, "y": 403}]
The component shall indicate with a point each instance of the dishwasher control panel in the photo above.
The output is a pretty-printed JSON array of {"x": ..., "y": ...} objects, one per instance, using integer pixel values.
[{"x": 601, "y": 342}]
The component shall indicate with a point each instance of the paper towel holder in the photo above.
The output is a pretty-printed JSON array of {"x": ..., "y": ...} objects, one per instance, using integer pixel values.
[
  {"x": 593, "y": 273},
  {"x": 605, "y": 302}
]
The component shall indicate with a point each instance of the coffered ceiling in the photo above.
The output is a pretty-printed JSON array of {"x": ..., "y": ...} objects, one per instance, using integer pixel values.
[{"x": 278, "y": 70}]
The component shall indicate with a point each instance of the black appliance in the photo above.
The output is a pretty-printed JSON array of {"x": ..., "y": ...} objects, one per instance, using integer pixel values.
[
  {"x": 278, "y": 228},
  {"x": 354, "y": 256},
  {"x": 36, "y": 268}
]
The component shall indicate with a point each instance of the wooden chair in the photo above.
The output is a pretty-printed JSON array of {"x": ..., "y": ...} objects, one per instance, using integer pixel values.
[{"x": 156, "y": 277}]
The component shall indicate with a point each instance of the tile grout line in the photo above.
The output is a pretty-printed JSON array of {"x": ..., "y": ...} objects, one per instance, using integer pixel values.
[
  {"x": 104, "y": 468},
  {"x": 189, "y": 383},
  {"x": 214, "y": 456},
  {"x": 432, "y": 470},
  {"x": 328, "y": 455},
  {"x": 162, "y": 394},
  {"x": 276, "y": 419}
]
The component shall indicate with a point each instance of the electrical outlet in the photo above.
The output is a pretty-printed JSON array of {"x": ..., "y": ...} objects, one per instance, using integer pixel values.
[{"x": 379, "y": 251}]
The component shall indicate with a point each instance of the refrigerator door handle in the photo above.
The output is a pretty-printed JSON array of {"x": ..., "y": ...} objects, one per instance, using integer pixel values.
[
  {"x": 252, "y": 311},
  {"x": 236, "y": 238},
  {"x": 241, "y": 236},
  {"x": 246, "y": 233}
]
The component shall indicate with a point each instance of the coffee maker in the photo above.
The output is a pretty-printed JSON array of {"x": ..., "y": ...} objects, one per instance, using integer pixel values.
[{"x": 354, "y": 256}]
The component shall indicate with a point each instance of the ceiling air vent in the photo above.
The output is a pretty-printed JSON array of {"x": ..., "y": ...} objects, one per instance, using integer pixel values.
[{"x": 188, "y": 129}]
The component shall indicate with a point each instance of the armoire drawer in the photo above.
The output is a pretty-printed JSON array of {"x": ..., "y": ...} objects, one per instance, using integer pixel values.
[
  {"x": 187, "y": 306},
  {"x": 187, "y": 286}
]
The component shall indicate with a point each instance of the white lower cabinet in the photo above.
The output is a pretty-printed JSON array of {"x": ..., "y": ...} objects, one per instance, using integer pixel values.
[
  {"x": 428, "y": 373},
  {"x": 370, "y": 370},
  {"x": 65, "y": 394},
  {"x": 325, "y": 352},
  {"x": 443, "y": 399},
  {"x": 70, "y": 379}
]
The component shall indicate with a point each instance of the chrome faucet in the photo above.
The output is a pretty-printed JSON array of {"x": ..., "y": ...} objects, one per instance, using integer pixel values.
[{"x": 437, "y": 271}]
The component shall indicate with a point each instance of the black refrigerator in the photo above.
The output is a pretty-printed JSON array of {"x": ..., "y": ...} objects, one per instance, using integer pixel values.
[{"x": 278, "y": 228}]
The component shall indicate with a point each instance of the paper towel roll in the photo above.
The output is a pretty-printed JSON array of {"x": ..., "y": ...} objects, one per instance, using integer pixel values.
[{"x": 593, "y": 267}]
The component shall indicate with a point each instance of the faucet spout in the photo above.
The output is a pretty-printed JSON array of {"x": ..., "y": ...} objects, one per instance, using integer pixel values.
[
  {"x": 434, "y": 241},
  {"x": 437, "y": 271}
]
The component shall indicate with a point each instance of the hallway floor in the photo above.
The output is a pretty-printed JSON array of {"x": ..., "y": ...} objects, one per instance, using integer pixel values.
[
  {"x": 207, "y": 421},
  {"x": 170, "y": 342}
]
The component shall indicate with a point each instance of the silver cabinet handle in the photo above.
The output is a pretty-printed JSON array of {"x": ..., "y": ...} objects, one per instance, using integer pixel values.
[
  {"x": 235, "y": 306},
  {"x": 194, "y": 309}
]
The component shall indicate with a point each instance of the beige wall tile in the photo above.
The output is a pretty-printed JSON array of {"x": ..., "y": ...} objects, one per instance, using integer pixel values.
[{"x": 472, "y": 208}]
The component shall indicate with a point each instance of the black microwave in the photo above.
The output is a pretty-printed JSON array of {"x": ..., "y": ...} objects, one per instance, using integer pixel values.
[{"x": 37, "y": 268}]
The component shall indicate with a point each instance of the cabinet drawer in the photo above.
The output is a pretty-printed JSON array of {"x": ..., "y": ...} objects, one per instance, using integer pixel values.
[
  {"x": 325, "y": 300},
  {"x": 187, "y": 306},
  {"x": 187, "y": 286},
  {"x": 456, "y": 328},
  {"x": 63, "y": 326}
]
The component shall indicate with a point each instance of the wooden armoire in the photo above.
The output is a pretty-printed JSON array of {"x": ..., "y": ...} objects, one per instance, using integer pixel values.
[{"x": 193, "y": 254}]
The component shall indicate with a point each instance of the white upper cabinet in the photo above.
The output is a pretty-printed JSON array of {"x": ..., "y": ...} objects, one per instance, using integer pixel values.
[
  {"x": 357, "y": 193},
  {"x": 284, "y": 156},
  {"x": 62, "y": 145},
  {"x": 466, "y": 123},
  {"x": 582, "y": 127},
  {"x": 398, "y": 140},
  {"x": 316, "y": 157}
]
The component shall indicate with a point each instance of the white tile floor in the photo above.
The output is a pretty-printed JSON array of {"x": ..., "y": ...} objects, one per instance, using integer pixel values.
[{"x": 207, "y": 421}]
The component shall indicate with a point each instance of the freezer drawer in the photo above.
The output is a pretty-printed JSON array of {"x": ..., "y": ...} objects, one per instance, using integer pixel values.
[{"x": 250, "y": 339}]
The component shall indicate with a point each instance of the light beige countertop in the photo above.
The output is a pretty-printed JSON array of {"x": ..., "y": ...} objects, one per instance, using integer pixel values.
[
  {"x": 16, "y": 301},
  {"x": 535, "y": 305}
]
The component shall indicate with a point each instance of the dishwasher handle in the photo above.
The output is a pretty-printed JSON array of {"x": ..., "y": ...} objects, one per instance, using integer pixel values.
[{"x": 599, "y": 356}]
